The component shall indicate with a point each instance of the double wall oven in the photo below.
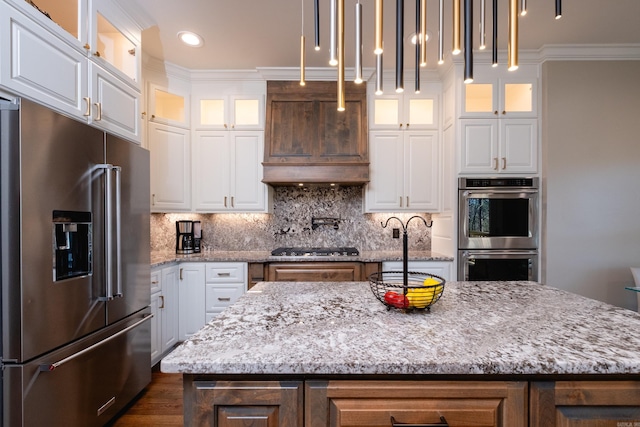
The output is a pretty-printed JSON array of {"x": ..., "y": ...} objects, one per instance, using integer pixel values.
[{"x": 498, "y": 229}]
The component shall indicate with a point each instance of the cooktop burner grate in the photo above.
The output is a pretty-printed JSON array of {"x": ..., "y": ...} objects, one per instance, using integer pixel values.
[{"x": 338, "y": 251}]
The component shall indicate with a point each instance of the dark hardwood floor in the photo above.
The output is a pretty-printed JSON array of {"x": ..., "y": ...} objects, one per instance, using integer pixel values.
[{"x": 160, "y": 404}]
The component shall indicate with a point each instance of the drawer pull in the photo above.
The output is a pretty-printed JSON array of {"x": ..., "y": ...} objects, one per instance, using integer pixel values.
[
  {"x": 224, "y": 298},
  {"x": 442, "y": 423},
  {"x": 224, "y": 274}
]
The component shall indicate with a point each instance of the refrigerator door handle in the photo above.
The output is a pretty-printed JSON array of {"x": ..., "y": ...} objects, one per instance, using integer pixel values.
[
  {"x": 112, "y": 237},
  {"x": 108, "y": 231},
  {"x": 48, "y": 367},
  {"x": 118, "y": 237}
]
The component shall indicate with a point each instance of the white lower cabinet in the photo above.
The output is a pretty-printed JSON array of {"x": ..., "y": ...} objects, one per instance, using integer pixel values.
[
  {"x": 225, "y": 283},
  {"x": 438, "y": 268},
  {"x": 404, "y": 172},
  {"x": 164, "y": 307},
  {"x": 192, "y": 298}
]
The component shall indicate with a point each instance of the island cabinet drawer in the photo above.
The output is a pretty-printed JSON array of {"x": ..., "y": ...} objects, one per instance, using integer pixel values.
[
  {"x": 328, "y": 271},
  {"x": 225, "y": 272},
  {"x": 242, "y": 403},
  {"x": 585, "y": 404},
  {"x": 375, "y": 403}
]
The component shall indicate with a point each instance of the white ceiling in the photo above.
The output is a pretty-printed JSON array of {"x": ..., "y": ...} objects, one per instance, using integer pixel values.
[{"x": 246, "y": 34}]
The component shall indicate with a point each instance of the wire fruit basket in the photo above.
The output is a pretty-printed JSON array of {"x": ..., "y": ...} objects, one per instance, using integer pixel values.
[{"x": 408, "y": 291}]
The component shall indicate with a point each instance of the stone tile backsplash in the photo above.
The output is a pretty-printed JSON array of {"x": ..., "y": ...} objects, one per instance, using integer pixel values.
[{"x": 290, "y": 224}]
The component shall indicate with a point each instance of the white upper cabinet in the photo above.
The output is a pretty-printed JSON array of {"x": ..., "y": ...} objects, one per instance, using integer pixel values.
[
  {"x": 496, "y": 94},
  {"x": 54, "y": 59},
  {"x": 168, "y": 106},
  {"x": 403, "y": 111},
  {"x": 228, "y": 107}
]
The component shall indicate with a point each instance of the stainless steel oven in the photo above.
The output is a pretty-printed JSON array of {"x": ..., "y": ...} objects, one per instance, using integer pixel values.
[
  {"x": 497, "y": 264},
  {"x": 498, "y": 213}
]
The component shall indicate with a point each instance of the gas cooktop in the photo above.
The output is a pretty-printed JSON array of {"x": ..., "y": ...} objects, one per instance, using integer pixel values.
[{"x": 338, "y": 251}]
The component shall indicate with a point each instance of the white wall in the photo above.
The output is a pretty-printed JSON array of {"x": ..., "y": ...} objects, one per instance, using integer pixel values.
[{"x": 591, "y": 177}]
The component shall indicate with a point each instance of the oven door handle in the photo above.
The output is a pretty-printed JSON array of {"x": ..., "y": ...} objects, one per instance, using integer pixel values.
[{"x": 494, "y": 193}]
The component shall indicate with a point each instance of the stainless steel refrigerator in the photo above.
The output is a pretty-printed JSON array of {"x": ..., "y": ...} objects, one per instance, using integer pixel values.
[{"x": 74, "y": 228}]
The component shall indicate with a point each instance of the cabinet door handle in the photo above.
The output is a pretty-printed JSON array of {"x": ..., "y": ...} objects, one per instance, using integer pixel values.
[
  {"x": 153, "y": 200},
  {"x": 407, "y": 125},
  {"x": 495, "y": 112},
  {"x": 98, "y": 111},
  {"x": 443, "y": 423},
  {"x": 224, "y": 274},
  {"x": 232, "y": 202},
  {"x": 495, "y": 163},
  {"x": 87, "y": 112},
  {"x": 162, "y": 305},
  {"x": 504, "y": 112},
  {"x": 225, "y": 126},
  {"x": 96, "y": 53},
  {"x": 224, "y": 298},
  {"x": 225, "y": 201},
  {"x": 87, "y": 46},
  {"x": 407, "y": 201},
  {"x": 154, "y": 282},
  {"x": 180, "y": 274},
  {"x": 504, "y": 163},
  {"x": 400, "y": 201}
]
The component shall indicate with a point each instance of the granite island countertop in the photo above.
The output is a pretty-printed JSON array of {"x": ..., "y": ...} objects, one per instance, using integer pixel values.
[
  {"x": 159, "y": 258},
  {"x": 476, "y": 328}
]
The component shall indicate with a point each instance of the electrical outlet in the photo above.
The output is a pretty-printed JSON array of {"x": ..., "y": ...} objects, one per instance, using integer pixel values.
[{"x": 396, "y": 233}]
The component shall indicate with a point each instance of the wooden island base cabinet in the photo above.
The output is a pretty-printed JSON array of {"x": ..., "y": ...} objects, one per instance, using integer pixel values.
[{"x": 585, "y": 404}]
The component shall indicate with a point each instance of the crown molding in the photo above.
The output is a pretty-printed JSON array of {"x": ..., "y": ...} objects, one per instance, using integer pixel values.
[{"x": 590, "y": 52}]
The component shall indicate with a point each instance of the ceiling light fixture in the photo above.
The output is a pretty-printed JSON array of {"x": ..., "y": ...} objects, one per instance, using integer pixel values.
[
  {"x": 190, "y": 38},
  {"x": 302, "y": 82},
  {"x": 440, "y": 34},
  {"x": 341, "y": 103},
  {"x": 358, "y": 78},
  {"x": 512, "y": 46},
  {"x": 523, "y": 7},
  {"x": 424, "y": 36},
  {"x": 483, "y": 32},
  {"x": 379, "y": 74},
  {"x": 456, "y": 27},
  {"x": 316, "y": 21},
  {"x": 419, "y": 43},
  {"x": 558, "y": 9},
  {"x": 378, "y": 28},
  {"x": 399, "y": 46},
  {"x": 494, "y": 47},
  {"x": 333, "y": 54},
  {"x": 468, "y": 41}
]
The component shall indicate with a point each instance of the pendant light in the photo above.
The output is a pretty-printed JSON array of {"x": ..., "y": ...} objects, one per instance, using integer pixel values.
[
  {"x": 441, "y": 34},
  {"x": 302, "y": 82},
  {"x": 358, "y": 78},
  {"x": 558, "y": 9},
  {"x": 378, "y": 28},
  {"x": 523, "y": 7},
  {"x": 468, "y": 41},
  {"x": 512, "y": 46},
  {"x": 341, "y": 103},
  {"x": 483, "y": 31},
  {"x": 379, "y": 74},
  {"x": 399, "y": 45},
  {"x": 494, "y": 46},
  {"x": 456, "y": 27},
  {"x": 333, "y": 49},
  {"x": 423, "y": 33},
  {"x": 316, "y": 20},
  {"x": 418, "y": 45}
]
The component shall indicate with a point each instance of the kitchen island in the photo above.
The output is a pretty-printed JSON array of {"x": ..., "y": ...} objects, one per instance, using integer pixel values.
[{"x": 488, "y": 353}]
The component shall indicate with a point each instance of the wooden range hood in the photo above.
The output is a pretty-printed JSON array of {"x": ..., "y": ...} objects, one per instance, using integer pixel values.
[{"x": 308, "y": 141}]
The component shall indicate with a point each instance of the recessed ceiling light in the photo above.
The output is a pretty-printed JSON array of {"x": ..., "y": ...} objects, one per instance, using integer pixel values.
[{"x": 190, "y": 39}]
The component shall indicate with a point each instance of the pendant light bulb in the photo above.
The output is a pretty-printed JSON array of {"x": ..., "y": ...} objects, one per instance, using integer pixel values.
[
  {"x": 483, "y": 32},
  {"x": 379, "y": 74},
  {"x": 558, "y": 9},
  {"x": 468, "y": 41},
  {"x": 423, "y": 33},
  {"x": 523, "y": 7},
  {"x": 316, "y": 21},
  {"x": 456, "y": 27},
  {"x": 399, "y": 46},
  {"x": 378, "y": 29},
  {"x": 302, "y": 82},
  {"x": 333, "y": 50},
  {"x": 494, "y": 46}
]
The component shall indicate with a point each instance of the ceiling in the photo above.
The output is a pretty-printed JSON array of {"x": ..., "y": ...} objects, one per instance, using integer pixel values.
[{"x": 247, "y": 34}]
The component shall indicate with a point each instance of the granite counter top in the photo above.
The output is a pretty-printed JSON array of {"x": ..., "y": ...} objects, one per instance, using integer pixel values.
[
  {"x": 166, "y": 257},
  {"x": 494, "y": 328}
]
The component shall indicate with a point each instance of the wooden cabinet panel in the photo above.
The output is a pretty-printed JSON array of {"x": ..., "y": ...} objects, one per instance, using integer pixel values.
[
  {"x": 315, "y": 272},
  {"x": 243, "y": 403},
  {"x": 373, "y": 403},
  {"x": 585, "y": 404}
]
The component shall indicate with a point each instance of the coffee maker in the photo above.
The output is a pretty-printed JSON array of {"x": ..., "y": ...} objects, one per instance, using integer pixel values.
[
  {"x": 184, "y": 237},
  {"x": 197, "y": 236}
]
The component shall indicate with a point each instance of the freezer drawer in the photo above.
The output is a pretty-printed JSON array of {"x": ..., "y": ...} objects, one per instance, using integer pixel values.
[{"x": 109, "y": 369}]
